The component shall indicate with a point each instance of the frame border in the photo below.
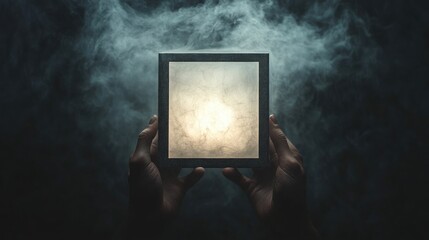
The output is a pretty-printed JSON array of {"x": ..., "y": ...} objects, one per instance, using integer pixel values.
[{"x": 163, "y": 106}]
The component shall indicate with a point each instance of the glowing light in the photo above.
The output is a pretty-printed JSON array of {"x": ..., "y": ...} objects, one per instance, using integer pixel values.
[
  {"x": 213, "y": 110},
  {"x": 213, "y": 117}
]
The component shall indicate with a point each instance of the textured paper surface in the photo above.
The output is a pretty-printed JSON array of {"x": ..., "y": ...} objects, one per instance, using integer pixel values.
[{"x": 213, "y": 110}]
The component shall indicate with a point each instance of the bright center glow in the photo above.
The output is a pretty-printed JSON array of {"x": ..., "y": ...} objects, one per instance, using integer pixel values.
[
  {"x": 213, "y": 117},
  {"x": 213, "y": 110}
]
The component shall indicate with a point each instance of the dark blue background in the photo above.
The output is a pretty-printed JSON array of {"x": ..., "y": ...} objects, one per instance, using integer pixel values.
[{"x": 366, "y": 153}]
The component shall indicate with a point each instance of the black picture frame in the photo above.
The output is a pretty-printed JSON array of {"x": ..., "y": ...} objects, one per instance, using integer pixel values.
[{"x": 163, "y": 106}]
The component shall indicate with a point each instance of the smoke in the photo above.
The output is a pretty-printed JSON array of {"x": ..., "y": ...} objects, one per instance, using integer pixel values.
[
  {"x": 300, "y": 51},
  {"x": 308, "y": 54},
  {"x": 81, "y": 80}
]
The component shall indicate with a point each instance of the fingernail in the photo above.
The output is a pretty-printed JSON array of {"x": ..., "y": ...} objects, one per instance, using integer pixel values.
[
  {"x": 273, "y": 118},
  {"x": 152, "y": 120}
]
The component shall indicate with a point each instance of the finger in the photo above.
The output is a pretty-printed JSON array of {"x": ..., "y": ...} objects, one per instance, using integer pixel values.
[
  {"x": 286, "y": 158},
  {"x": 278, "y": 138},
  {"x": 294, "y": 151},
  {"x": 154, "y": 148},
  {"x": 192, "y": 178},
  {"x": 261, "y": 174},
  {"x": 236, "y": 177},
  {"x": 273, "y": 154},
  {"x": 141, "y": 155}
]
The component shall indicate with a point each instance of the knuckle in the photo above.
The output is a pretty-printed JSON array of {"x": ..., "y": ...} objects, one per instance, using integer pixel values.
[
  {"x": 281, "y": 136},
  {"x": 298, "y": 157},
  {"x": 154, "y": 145},
  {"x": 294, "y": 167},
  {"x": 144, "y": 134},
  {"x": 137, "y": 160}
]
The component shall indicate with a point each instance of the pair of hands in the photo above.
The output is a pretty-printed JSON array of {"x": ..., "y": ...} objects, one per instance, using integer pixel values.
[{"x": 276, "y": 193}]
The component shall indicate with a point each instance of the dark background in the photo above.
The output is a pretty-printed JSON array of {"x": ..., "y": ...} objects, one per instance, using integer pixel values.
[{"x": 349, "y": 86}]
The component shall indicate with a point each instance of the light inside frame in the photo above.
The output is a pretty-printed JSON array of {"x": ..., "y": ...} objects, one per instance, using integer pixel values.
[{"x": 213, "y": 110}]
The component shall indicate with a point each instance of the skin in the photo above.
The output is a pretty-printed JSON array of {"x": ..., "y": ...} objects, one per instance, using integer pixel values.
[
  {"x": 155, "y": 194},
  {"x": 276, "y": 193}
]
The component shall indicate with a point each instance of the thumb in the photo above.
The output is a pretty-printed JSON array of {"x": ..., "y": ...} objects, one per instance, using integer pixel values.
[
  {"x": 141, "y": 156},
  {"x": 236, "y": 177},
  {"x": 193, "y": 177}
]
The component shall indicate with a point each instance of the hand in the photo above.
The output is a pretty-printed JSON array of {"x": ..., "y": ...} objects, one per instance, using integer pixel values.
[
  {"x": 278, "y": 193},
  {"x": 155, "y": 194}
]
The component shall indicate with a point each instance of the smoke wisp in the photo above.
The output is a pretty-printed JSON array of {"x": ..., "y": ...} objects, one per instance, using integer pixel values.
[{"x": 347, "y": 83}]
